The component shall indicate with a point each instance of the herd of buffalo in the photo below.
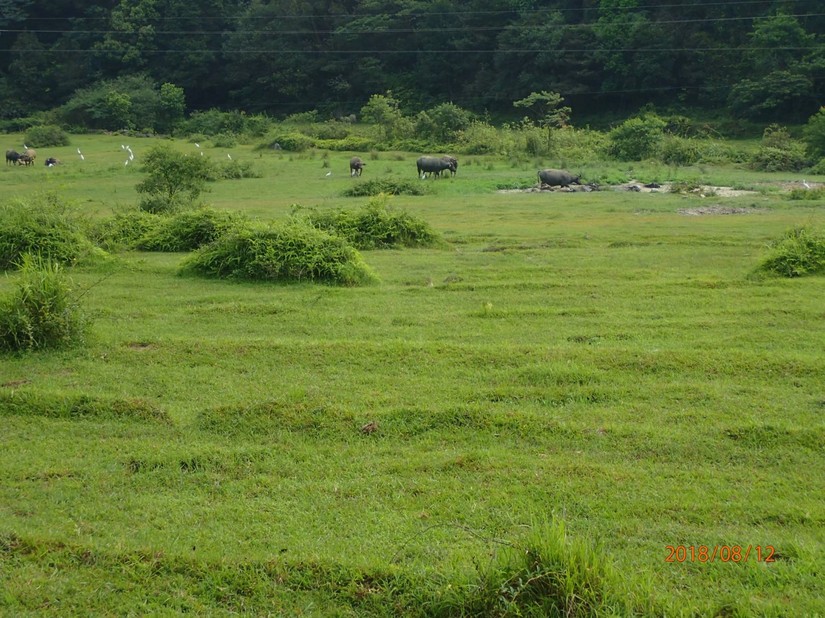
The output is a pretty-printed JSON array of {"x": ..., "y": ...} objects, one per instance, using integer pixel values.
[
  {"x": 425, "y": 165},
  {"x": 435, "y": 165}
]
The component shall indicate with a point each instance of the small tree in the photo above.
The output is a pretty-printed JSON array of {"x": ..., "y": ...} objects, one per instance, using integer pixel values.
[
  {"x": 384, "y": 110},
  {"x": 173, "y": 179},
  {"x": 545, "y": 111}
]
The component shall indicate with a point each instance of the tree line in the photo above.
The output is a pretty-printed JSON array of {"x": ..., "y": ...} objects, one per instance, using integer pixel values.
[{"x": 756, "y": 59}]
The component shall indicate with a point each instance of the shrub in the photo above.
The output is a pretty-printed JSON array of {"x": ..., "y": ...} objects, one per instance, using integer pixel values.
[
  {"x": 225, "y": 140},
  {"x": 800, "y": 252},
  {"x": 124, "y": 229},
  {"x": 235, "y": 170},
  {"x": 376, "y": 226},
  {"x": 189, "y": 230},
  {"x": 679, "y": 151},
  {"x": 814, "y": 135},
  {"x": 331, "y": 129},
  {"x": 44, "y": 225},
  {"x": 807, "y": 194},
  {"x": 216, "y": 122},
  {"x": 778, "y": 152},
  {"x": 443, "y": 123},
  {"x": 351, "y": 143},
  {"x": 288, "y": 252},
  {"x": 291, "y": 142},
  {"x": 44, "y": 136},
  {"x": 386, "y": 186},
  {"x": 41, "y": 312},
  {"x": 636, "y": 138}
]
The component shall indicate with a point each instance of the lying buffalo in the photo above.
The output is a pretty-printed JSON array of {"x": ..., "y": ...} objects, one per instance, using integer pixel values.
[
  {"x": 435, "y": 165},
  {"x": 356, "y": 166},
  {"x": 558, "y": 178}
]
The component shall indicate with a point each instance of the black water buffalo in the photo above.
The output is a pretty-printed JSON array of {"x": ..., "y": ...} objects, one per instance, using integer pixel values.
[
  {"x": 558, "y": 178},
  {"x": 12, "y": 157},
  {"x": 51, "y": 162},
  {"x": 454, "y": 161},
  {"x": 356, "y": 166},
  {"x": 434, "y": 165}
]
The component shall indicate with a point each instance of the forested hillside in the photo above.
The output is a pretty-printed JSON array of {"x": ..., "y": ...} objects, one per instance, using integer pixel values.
[{"x": 761, "y": 60}]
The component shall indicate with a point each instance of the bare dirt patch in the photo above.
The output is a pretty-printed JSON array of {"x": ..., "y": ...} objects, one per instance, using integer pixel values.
[{"x": 718, "y": 209}]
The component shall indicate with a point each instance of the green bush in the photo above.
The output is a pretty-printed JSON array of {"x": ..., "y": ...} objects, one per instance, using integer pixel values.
[
  {"x": 235, "y": 170},
  {"x": 800, "y": 252},
  {"x": 291, "y": 142},
  {"x": 331, "y": 129},
  {"x": 44, "y": 136},
  {"x": 679, "y": 150},
  {"x": 352, "y": 143},
  {"x": 814, "y": 135},
  {"x": 636, "y": 138},
  {"x": 43, "y": 224},
  {"x": 216, "y": 122},
  {"x": 807, "y": 194},
  {"x": 225, "y": 140},
  {"x": 376, "y": 226},
  {"x": 288, "y": 252},
  {"x": 189, "y": 230},
  {"x": 124, "y": 229},
  {"x": 41, "y": 312},
  {"x": 778, "y": 152},
  {"x": 387, "y": 186}
]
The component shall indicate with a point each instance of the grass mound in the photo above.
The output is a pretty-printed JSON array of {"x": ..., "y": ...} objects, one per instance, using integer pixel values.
[
  {"x": 41, "y": 312},
  {"x": 800, "y": 252},
  {"x": 79, "y": 407},
  {"x": 42, "y": 225},
  {"x": 287, "y": 252},
  {"x": 188, "y": 230},
  {"x": 260, "y": 419},
  {"x": 376, "y": 226},
  {"x": 388, "y": 186}
]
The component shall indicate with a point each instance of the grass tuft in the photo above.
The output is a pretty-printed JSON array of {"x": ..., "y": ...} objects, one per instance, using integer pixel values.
[
  {"x": 800, "y": 252},
  {"x": 79, "y": 407},
  {"x": 388, "y": 186}
]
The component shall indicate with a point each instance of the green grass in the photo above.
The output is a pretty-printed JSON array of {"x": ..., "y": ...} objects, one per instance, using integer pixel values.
[{"x": 573, "y": 383}]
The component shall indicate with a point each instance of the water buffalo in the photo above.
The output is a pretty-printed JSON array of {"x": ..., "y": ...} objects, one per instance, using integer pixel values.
[
  {"x": 558, "y": 178},
  {"x": 12, "y": 157},
  {"x": 25, "y": 159},
  {"x": 433, "y": 165},
  {"x": 356, "y": 166},
  {"x": 454, "y": 162},
  {"x": 31, "y": 154},
  {"x": 51, "y": 162}
]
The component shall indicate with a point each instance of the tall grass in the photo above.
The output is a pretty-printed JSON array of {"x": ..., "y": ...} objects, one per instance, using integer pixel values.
[{"x": 41, "y": 312}]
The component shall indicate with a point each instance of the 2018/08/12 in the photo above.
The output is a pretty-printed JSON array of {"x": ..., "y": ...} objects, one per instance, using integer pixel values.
[{"x": 724, "y": 553}]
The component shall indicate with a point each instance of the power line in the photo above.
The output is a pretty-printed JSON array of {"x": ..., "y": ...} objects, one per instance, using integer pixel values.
[
  {"x": 382, "y": 31},
  {"x": 611, "y": 10}
]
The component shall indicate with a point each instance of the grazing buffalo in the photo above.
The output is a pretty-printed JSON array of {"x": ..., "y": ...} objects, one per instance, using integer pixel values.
[
  {"x": 12, "y": 157},
  {"x": 558, "y": 178},
  {"x": 434, "y": 165},
  {"x": 454, "y": 162},
  {"x": 30, "y": 153},
  {"x": 356, "y": 166},
  {"x": 25, "y": 159}
]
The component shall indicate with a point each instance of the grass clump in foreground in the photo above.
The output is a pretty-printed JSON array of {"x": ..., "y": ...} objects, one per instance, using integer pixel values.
[
  {"x": 800, "y": 252},
  {"x": 388, "y": 186},
  {"x": 78, "y": 407},
  {"x": 376, "y": 226},
  {"x": 546, "y": 575},
  {"x": 43, "y": 224},
  {"x": 292, "y": 251},
  {"x": 41, "y": 312}
]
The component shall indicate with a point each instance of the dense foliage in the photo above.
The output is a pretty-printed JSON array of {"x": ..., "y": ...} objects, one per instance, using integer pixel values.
[
  {"x": 138, "y": 62},
  {"x": 285, "y": 252}
]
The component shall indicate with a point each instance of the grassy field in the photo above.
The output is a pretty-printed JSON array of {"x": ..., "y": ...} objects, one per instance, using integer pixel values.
[{"x": 592, "y": 377}]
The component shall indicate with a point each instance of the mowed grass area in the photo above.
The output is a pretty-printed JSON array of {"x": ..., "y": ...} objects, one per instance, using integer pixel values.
[{"x": 595, "y": 358}]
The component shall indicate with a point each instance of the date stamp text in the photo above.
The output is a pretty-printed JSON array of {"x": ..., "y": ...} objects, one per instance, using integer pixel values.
[{"x": 720, "y": 553}]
